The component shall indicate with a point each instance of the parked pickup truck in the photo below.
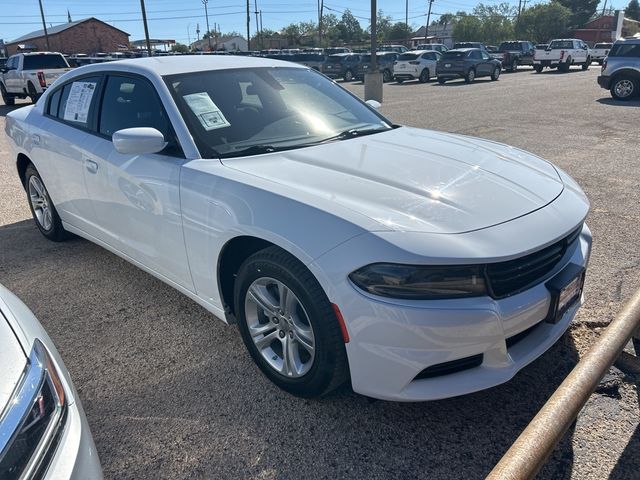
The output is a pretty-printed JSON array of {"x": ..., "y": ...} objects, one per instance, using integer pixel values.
[
  {"x": 515, "y": 53},
  {"x": 600, "y": 51},
  {"x": 29, "y": 75},
  {"x": 561, "y": 54}
]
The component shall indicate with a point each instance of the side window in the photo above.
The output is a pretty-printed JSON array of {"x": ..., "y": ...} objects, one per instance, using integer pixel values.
[
  {"x": 130, "y": 102},
  {"x": 54, "y": 102},
  {"x": 77, "y": 102},
  {"x": 485, "y": 56}
]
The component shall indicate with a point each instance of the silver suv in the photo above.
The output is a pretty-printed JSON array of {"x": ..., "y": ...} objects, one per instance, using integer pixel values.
[{"x": 621, "y": 69}]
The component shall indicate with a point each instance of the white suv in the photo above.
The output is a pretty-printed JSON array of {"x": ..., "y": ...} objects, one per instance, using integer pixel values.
[{"x": 416, "y": 64}]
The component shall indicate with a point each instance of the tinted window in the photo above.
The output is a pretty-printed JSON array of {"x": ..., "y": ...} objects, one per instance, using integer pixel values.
[
  {"x": 44, "y": 62},
  {"x": 408, "y": 56},
  {"x": 54, "y": 103},
  {"x": 485, "y": 56},
  {"x": 625, "y": 50},
  {"x": 476, "y": 54},
  {"x": 130, "y": 102},
  {"x": 561, "y": 44},
  {"x": 505, "y": 46},
  {"x": 78, "y": 100},
  {"x": 453, "y": 55},
  {"x": 335, "y": 58}
]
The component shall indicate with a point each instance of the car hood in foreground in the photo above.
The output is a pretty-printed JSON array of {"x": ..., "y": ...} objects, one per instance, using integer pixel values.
[
  {"x": 417, "y": 180},
  {"x": 12, "y": 359}
]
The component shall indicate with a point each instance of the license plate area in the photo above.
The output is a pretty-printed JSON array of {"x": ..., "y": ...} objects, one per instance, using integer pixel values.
[{"x": 566, "y": 289}]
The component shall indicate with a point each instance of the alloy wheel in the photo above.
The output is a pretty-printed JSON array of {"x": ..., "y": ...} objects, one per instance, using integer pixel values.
[
  {"x": 280, "y": 327},
  {"x": 624, "y": 88},
  {"x": 40, "y": 202}
]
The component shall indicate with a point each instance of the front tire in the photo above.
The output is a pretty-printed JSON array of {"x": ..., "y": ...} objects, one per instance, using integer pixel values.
[
  {"x": 42, "y": 208},
  {"x": 496, "y": 74},
  {"x": 624, "y": 87},
  {"x": 288, "y": 324},
  {"x": 585, "y": 65},
  {"x": 471, "y": 76},
  {"x": 8, "y": 100},
  {"x": 386, "y": 76},
  {"x": 514, "y": 65},
  {"x": 348, "y": 76},
  {"x": 538, "y": 68}
]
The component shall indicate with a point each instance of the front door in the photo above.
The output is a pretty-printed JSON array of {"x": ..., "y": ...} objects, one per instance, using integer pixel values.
[{"x": 136, "y": 197}]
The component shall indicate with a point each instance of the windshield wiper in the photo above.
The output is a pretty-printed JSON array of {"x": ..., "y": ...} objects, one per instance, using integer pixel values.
[
  {"x": 259, "y": 149},
  {"x": 352, "y": 133}
]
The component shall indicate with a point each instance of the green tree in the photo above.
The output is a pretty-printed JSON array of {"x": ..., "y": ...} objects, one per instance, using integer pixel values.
[
  {"x": 445, "y": 19},
  {"x": 497, "y": 22},
  {"x": 581, "y": 10},
  {"x": 383, "y": 25},
  {"x": 633, "y": 10},
  {"x": 349, "y": 28},
  {"x": 399, "y": 31},
  {"x": 467, "y": 28},
  {"x": 543, "y": 22},
  {"x": 179, "y": 48}
]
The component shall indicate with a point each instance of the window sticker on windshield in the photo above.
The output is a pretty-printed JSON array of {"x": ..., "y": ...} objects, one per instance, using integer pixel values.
[
  {"x": 79, "y": 101},
  {"x": 208, "y": 113}
]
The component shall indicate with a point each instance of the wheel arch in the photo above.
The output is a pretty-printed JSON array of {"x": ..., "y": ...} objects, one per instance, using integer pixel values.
[
  {"x": 626, "y": 71},
  {"x": 22, "y": 162}
]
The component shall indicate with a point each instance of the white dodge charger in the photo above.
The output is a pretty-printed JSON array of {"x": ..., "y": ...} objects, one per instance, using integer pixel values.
[{"x": 417, "y": 264}]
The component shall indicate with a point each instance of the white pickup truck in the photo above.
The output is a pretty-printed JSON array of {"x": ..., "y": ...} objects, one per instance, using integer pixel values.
[
  {"x": 561, "y": 54},
  {"x": 29, "y": 74},
  {"x": 600, "y": 51}
]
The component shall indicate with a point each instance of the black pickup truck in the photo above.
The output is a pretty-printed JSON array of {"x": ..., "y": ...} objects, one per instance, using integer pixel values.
[{"x": 515, "y": 53}]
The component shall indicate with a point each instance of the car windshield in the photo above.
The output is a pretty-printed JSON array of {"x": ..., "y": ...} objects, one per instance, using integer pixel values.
[
  {"x": 258, "y": 110},
  {"x": 336, "y": 58},
  {"x": 561, "y": 44},
  {"x": 453, "y": 55},
  {"x": 44, "y": 62},
  {"x": 506, "y": 46}
]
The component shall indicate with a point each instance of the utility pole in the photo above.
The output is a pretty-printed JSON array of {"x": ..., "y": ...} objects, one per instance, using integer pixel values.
[
  {"x": 519, "y": 10},
  {"x": 44, "y": 26},
  {"x": 261, "y": 33},
  {"x": 258, "y": 39},
  {"x": 320, "y": 15},
  {"x": 206, "y": 14},
  {"x": 373, "y": 78},
  {"x": 604, "y": 8},
  {"x": 426, "y": 29},
  {"x": 406, "y": 16},
  {"x": 146, "y": 27},
  {"x": 248, "y": 32}
]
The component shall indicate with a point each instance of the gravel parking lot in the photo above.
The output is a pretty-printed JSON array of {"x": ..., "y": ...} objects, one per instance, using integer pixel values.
[{"x": 170, "y": 392}]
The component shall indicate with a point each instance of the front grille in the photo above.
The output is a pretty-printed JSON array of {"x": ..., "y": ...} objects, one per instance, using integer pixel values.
[
  {"x": 511, "y": 277},
  {"x": 453, "y": 366}
]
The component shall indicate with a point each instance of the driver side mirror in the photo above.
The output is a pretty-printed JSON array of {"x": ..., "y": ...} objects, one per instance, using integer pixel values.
[{"x": 138, "y": 141}]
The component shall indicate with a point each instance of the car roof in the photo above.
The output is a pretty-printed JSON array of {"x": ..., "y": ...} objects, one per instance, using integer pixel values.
[
  {"x": 172, "y": 65},
  {"x": 461, "y": 50},
  {"x": 38, "y": 53}
]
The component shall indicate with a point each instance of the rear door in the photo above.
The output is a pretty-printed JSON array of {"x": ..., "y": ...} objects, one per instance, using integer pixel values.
[{"x": 136, "y": 197}]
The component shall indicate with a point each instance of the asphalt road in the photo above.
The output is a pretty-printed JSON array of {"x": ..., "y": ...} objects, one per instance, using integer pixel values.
[{"x": 170, "y": 392}]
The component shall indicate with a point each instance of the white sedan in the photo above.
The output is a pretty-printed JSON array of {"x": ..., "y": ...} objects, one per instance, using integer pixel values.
[
  {"x": 416, "y": 264},
  {"x": 43, "y": 429}
]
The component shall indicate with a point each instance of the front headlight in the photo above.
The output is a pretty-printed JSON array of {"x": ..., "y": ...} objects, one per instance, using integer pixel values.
[{"x": 417, "y": 282}]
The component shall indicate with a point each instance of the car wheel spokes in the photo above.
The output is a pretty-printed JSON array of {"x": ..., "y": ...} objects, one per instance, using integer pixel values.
[
  {"x": 40, "y": 203},
  {"x": 279, "y": 327}
]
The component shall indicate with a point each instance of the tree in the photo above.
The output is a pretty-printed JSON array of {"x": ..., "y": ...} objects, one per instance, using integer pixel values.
[
  {"x": 633, "y": 10},
  {"x": 349, "y": 28},
  {"x": 543, "y": 22},
  {"x": 399, "y": 31},
  {"x": 383, "y": 25},
  {"x": 581, "y": 10},
  {"x": 497, "y": 22},
  {"x": 467, "y": 28},
  {"x": 445, "y": 19},
  {"x": 179, "y": 48}
]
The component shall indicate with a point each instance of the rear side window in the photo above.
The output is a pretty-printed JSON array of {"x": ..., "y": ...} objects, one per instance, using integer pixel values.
[
  {"x": 625, "y": 50},
  {"x": 77, "y": 102},
  {"x": 44, "y": 62},
  {"x": 54, "y": 103},
  {"x": 408, "y": 56},
  {"x": 453, "y": 55}
]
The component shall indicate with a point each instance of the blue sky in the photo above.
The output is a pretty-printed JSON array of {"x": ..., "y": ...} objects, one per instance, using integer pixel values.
[{"x": 177, "y": 19}]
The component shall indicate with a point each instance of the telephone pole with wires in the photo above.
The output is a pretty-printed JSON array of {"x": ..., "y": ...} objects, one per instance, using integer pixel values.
[
  {"x": 255, "y": 7},
  {"x": 206, "y": 14},
  {"x": 426, "y": 28},
  {"x": 44, "y": 26},
  {"x": 248, "y": 31},
  {"x": 146, "y": 28}
]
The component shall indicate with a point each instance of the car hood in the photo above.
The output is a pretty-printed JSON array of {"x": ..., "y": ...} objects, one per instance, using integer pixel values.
[
  {"x": 410, "y": 179},
  {"x": 12, "y": 359}
]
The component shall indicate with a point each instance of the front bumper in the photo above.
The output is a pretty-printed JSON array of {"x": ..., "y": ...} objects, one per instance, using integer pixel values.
[
  {"x": 393, "y": 342},
  {"x": 604, "y": 81}
]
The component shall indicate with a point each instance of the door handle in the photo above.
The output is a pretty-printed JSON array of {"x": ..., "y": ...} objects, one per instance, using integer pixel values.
[
  {"x": 91, "y": 166},
  {"x": 36, "y": 139}
]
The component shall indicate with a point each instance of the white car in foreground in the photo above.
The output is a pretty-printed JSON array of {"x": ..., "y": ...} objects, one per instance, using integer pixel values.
[
  {"x": 43, "y": 429},
  {"x": 419, "y": 264}
]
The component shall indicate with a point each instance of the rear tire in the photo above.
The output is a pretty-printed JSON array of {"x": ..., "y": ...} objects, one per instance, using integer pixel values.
[
  {"x": 288, "y": 324},
  {"x": 399, "y": 80},
  {"x": 42, "y": 208},
  {"x": 441, "y": 80},
  {"x": 564, "y": 67},
  {"x": 624, "y": 87},
  {"x": 386, "y": 76},
  {"x": 8, "y": 100},
  {"x": 31, "y": 91},
  {"x": 514, "y": 65},
  {"x": 424, "y": 76},
  {"x": 348, "y": 76},
  {"x": 538, "y": 68},
  {"x": 585, "y": 66}
]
